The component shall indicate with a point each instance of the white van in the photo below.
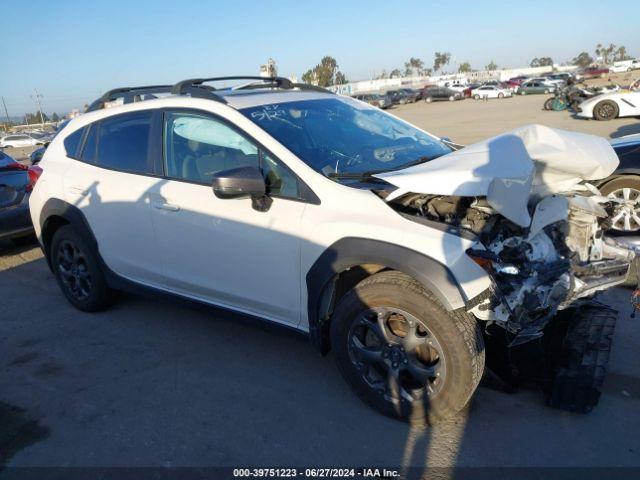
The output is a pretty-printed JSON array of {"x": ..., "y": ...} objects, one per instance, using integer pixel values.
[{"x": 624, "y": 66}]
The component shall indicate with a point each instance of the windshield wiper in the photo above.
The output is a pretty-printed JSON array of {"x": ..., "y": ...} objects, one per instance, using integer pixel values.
[{"x": 356, "y": 175}]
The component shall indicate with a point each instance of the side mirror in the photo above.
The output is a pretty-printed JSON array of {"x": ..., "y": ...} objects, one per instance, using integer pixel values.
[
  {"x": 242, "y": 182},
  {"x": 238, "y": 182}
]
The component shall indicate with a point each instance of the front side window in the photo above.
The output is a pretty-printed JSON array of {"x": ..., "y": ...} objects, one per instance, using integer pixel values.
[
  {"x": 198, "y": 146},
  {"x": 337, "y": 136},
  {"x": 123, "y": 143}
]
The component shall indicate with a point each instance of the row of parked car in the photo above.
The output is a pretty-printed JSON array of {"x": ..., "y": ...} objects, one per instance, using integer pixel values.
[
  {"x": 521, "y": 85},
  {"x": 26, "y": 139}
]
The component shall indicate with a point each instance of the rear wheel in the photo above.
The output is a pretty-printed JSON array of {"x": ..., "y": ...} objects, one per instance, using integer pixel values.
[
  {"x": 548, "y": 104},
  {"x": 428, "y": 100},
  {"x": 605, "y": 110},
  {"x": 75, "y": 265},
  {"x": 452, "y": 98},
  {"x": 402, "y": 352},
  {"x": 501, "y": 95}
]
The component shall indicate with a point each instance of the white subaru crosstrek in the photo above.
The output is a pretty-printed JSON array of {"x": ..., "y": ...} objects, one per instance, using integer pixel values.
[{"x": 401, "y": 254}]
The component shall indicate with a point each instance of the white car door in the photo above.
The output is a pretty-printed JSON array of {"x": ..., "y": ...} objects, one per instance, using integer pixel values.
[
  {"x": 110, "y": 183},
  {"x": 225, "y": 251}
]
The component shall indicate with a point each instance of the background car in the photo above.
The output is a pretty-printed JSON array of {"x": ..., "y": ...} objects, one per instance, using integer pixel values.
[
  {"x": 16, "y": 183},
  {"x": 19, "y": 140},
  {"x": 534, "y": 87},
  {"x": 375, "y": 99},
  {"x": 624, "y": 184},
  {"x": 490, "y": 91},
  {"x": 465, "y": 90},
  {"x": 553, "y": 82},
  {"x": 433, "y": 94},
  {"x": 608, "y": 106},
  {"x": 592, "y": 72},
  {"x": 402, "y": 96}
]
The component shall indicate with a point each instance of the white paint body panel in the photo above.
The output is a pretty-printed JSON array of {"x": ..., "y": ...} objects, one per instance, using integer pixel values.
[
  {"x": 628, "y": 103},
  {"x": 509, "y": 168},
  {"x": 222, "y": 251}
]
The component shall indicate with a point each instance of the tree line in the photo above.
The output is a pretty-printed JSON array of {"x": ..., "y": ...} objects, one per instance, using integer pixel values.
[{"x": 327, "y": 73}]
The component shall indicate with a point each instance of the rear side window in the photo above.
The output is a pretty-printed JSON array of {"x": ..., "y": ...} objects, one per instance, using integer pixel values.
[
  {"x": 123, "y": 143},
  {"x": 72, "y": 143},
  {"x": 90, "y": 148}
]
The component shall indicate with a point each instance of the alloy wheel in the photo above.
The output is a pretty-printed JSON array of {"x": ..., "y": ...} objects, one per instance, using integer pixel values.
[
  {"x": 396, "y": 354},
  {"x": 74, "y": 270},
  {"x": 626, "y": 216}
]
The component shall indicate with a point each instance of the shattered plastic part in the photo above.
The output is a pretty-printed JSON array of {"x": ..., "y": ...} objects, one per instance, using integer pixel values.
[{"x": 544, "y": 251}]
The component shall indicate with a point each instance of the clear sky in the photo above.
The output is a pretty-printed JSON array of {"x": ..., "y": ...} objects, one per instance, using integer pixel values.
[{"x": 73, "y": 50}]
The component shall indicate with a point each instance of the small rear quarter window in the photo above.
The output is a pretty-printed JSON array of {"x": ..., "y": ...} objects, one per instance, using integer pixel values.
[{"x": 72, "y": 143}]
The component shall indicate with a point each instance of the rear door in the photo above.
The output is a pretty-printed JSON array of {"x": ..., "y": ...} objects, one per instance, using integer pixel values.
[{"x": 111, "y": 182}]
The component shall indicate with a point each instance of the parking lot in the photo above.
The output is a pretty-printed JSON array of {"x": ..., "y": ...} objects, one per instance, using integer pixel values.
[{"x": 149, "y": 383}]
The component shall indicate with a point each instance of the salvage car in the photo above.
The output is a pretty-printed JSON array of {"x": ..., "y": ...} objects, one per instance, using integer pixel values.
[
  {"x": 434, "y": 94},
  {"x": 607, "y": 106},
  {"x": 534, "y": 87},
  {"x": 375, "y": 99},
  {"x": 19, "y": 140},
  {"x": 490, "y": 91},
  {"x": 16, "y": 182},
  {"x": 378, "y": 240},
  {"x": 402, "y": 96}
]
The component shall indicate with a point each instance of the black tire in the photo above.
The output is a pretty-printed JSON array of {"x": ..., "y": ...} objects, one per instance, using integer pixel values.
[
  {"x": 605, "y": 110},
  {"x": 547, "y": 104},
  {"x": 76, "y": 268},
  {"x": 501, "y": 95},
  {"x": 453, "y": 336}
]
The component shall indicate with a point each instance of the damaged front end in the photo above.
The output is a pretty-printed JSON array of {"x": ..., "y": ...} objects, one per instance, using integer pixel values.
[
  {"x": 561, "y": 257},
  {"x": 540, "y": 227}
]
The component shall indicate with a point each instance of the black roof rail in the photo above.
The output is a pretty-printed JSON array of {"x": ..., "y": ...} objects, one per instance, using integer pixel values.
[
  {"x": 182, "y": 87},
  {"x": 128, "y": 94},
  {"x": 196, "y": 88}
]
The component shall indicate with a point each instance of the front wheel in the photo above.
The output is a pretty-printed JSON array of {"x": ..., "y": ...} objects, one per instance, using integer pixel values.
[
  {"x": 501, "y": 95},
  {"x": 548, "y": 104},
  {"x": 428, "y": 100},
  {"x": 452, "y": 98},
  {"x": 402, "y": 352}
]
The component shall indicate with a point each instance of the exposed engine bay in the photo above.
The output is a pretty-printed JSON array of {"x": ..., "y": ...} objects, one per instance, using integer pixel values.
[
  {"x": 563, "y": 256},
  {"x": 538, "y": 228}
]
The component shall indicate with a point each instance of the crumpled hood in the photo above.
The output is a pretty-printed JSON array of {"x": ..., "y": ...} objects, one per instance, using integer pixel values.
[{"x": 509, "y": 168}]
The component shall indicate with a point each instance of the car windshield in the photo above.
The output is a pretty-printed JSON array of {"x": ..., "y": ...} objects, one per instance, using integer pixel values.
[{"x": 339, "y": 136}]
